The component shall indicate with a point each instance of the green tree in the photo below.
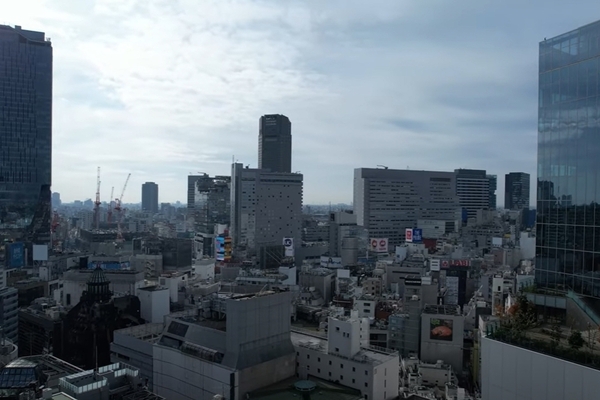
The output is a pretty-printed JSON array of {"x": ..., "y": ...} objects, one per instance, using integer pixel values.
[
  {"x": 556, "y": 334},
  {"x": 576, "y": 340}
]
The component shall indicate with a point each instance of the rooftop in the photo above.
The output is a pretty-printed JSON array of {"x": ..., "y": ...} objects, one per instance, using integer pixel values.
[
  {"x": 370, "y": 355},
  {"x": 293, "y": 389},
  {"x": 145, "y": 332},
  {"x": 441, "y": 309}
]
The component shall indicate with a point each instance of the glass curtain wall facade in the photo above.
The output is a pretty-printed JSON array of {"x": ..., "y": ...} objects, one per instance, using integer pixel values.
[
  {"x": 568, "y": 192},
  {"x": 275, "y": 143},
  {"x": 25, "y": 134}
]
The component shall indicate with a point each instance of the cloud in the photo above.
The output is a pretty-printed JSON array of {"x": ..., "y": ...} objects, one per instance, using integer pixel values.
[{"x": 162, "y": 88}]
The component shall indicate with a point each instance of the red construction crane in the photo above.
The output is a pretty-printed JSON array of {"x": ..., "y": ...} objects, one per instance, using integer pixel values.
[
  {"x": 97, "y": 202},
  {"x": 120, "y": 210},
  {"x": 110, "y": 204}
]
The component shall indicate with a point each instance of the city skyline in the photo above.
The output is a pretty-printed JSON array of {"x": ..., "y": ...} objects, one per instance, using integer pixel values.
[{"x": 128, "y": 98}]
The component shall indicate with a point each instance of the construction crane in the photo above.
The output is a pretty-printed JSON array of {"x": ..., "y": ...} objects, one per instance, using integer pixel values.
[
  {"x": 119, "y": 209},
  {"x": 97, "y": 202},
  {"x": 110, "y": 204}
]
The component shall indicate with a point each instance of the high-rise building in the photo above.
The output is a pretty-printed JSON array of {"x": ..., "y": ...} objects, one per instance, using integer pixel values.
[
  {"x": 25, "y": 134},
  {"x": 275, "y": 143},
  {"x": 568, "y": 195},
  {"x": 266, "y": 207},
  {"x": 150, "y": 197},
  {"x": 516, "y": 191},
  {"x": 473, "y": 190},
  {"x": 387, "y": 201},
  {"x": 212, "y": 206},
  {"x": 493, "y": 187},
  {"x": 191, "y": 190}
]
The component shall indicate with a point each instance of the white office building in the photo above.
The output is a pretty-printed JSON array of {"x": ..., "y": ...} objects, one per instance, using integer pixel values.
[
  {"x": 387, "y": 201},
  {"x": 344, "y": 357}
]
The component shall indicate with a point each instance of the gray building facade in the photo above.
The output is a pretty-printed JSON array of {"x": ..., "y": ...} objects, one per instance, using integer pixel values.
[
  {"x": 516, "y": 191},
  {"x": 387, "y": 201},
  {"x": 493, "y": 179},
  {"x": 9, "y": 313},
  {"x": 473, "y": 190},
  {"x": 275, "y": 143},
  {"x": 25, "y": 133},
  {"x": 150, "y": 197},
  {"x": 568, "y": 200},
  {"x": 265, "y": 208}
]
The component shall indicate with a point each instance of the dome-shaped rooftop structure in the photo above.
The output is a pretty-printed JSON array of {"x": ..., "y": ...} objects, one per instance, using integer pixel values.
[{"x": 98, "y": 286}]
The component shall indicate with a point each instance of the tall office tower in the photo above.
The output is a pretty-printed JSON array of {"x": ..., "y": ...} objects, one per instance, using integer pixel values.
[
  {"x": 473, "y": 190},
  {"x": 387, "y": 201},
  {"x": 568, "y": 195},
  {"x": 493, "y": 179},
  {"x": 191, "y": 190},
  {"x": 275, "y": 143},
  {"x": 25, "y": 134},
  {"x": 266, "y": 207},
  {"x": 150, "y": 197},
  {"x": 212, "y": 206},
  {"x": 516, "y": 191}
]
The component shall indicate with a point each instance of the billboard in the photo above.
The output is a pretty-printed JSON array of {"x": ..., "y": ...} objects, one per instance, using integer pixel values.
[
  {"x": 110, "y": 265},
  {"x": 412, "y": 281},
  {"x": 288, "y": 244},
  {"x": 379, "y": 245},
  {"x": 408, "y": 235},
  {"x": 440, "y": 329},
  {"x": 331, "y": 262},
  {"x": 413, "y": 235},
  {"x": 455, "y": 263},
  {"x": 40, "y": 252},
  {"x": 228, "y": 249},
  {"x": 434, "y": 264},
  {"x": 220, "y": 248},
  {"x": 15, "y": 255}
]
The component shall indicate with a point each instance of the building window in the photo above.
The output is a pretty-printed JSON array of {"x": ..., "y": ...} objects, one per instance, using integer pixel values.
[
  {"x": 329, "y": 362},
  {"x": 353, "y": 380},
  {"x": 329, "y": 373},
  {"x": 366, "y": 384},
  {"x": 337, "y": 328},
  {"x": 366, "y": 372},
  {"x": 353, "y": 369},
  {"x": 319, "y": 370},
  {"x": 337, "y": 349},
  {"x": 341, "y": 377},
  {"x": 318, "y": 359},
  {"x": 308, "y": 356}
]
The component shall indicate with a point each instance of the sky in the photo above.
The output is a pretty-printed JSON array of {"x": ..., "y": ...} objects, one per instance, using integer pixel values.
[{"x": 164, "y": 88}]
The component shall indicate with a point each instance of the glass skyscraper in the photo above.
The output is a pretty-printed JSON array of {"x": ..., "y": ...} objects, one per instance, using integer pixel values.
[
  {"x": 275, "y": 143},
  {"x": 25, "y": 134},
  {"x": 568, "y": 195}
]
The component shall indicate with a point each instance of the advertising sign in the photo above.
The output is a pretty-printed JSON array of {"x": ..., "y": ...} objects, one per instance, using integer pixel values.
[
  {"x": 288, "y": 244},
  {"x": 455, "y": 263},
  {"x": 440, "y": 329},
  {"x": 417, "y": 235},
  {"x": 434, "y": 264},
  {"x": 220, "y": 248},
  {"x": 331, "y": 262},
  {"x": 16, "y": 255},
  {"x": 412, "y": 281},
  {"x": 228, "y": 249},
  {"x": 408, "y": 234},
  {"x": 110, "y": 265},
  {"x": 40, "y": 252},
  {"x": 379, "y": 245}
]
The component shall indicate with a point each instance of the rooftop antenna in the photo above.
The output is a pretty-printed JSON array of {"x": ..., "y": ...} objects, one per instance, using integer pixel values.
[{"x": 382, "y": 166}]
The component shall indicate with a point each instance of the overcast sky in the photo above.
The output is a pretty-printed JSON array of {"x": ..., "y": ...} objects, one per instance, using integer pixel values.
[{"x": 162, "y": 88}]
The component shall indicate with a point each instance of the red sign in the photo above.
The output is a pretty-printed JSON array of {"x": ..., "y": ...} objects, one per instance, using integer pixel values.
[
  {"x": 455, "y": 263},
  {"x": 408, "y": 233}
]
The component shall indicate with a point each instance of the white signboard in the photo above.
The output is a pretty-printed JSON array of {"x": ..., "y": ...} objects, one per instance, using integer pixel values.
[
  {"x": 434, "y": 264},
  {"x": 379, "y": 245},
  {"x": 40, "y": 252},
  {"x": 288, "y": 244},
  {"x": 331, "y": 262}
]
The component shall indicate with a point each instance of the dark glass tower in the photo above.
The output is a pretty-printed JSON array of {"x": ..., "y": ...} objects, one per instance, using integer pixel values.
[
  {"x": 25, "y": 134},
  {"x": 568, "y": 213},
  {"x": 150, "y": 197},
  {"x": 516, "y": 191},
  {"x": 275, "y": 143}
]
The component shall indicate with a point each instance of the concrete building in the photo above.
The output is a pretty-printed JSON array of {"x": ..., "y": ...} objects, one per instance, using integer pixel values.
[
  {"x": 436, "y": 229},
  {"x": 154, "y": 303},
  {"x": 150, "y": 197},
  {"x": 266, "y": 207},
  {"x": 346, "y": 239},
  {"x": 275, "y": 143},
  {"x": 42, "y": 329},
  {"x": 473, "y": 190},
  {"x": 516, "y": 191},
  {"x": 442, "y": 335},
  {"x": 345, "y": 357},
  {"x": 511, "y": 372},
  {"x": 25, "y": 133},
  {"x": 9, "y": 319},
  {"x": 387, "y": 201},
  {"x": 230, "y": 345}
]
